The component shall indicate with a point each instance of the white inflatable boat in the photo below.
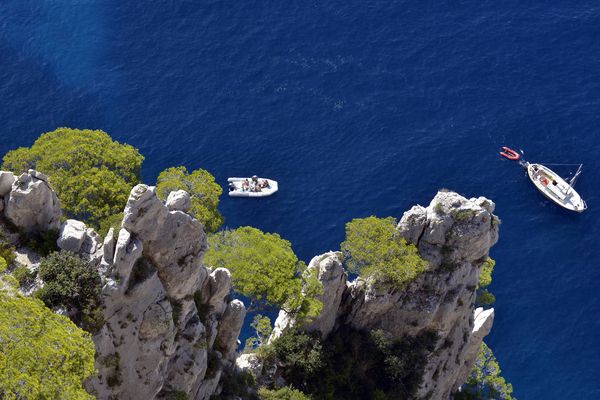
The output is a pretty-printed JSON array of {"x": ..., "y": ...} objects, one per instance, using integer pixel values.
[{"x": 238, "y": 189}]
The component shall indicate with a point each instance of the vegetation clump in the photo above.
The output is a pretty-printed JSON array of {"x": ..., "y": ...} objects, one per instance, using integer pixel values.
[
  {"x": 284, "y": 393},
  {"x": 262, "y": 328},
  {"x": 300, "y": 355},
  {"x": 23, "y": 275},
  {"x": 203, "y": 190},
  {"x": 3, "y": 265},
  {"x": 351, "y": 363},
  {"x": 373, "y": 249},
  {"x": 484, "y": 296},
  {"x": 237, "y": 384},
  {"x": 70, "y": 282},
  {"x": 485, "y": 381},
  {"x": 90, "y": 173},
  {"x": 43, "y": 355},
  {"x": 463, "y": 214},
  {"x": 264, "y": 268}
]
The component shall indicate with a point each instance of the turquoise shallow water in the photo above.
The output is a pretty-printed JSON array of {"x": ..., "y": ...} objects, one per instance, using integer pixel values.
[{"x": 357, "y": 108}]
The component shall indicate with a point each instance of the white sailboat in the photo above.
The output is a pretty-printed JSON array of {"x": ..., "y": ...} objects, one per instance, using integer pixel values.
[
  {"x": 555, "y": 188},
  {"x": 550, "y": 184}
]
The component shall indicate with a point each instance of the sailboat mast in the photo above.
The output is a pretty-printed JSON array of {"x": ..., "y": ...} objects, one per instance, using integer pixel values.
[{"x": 574, "y": 178}]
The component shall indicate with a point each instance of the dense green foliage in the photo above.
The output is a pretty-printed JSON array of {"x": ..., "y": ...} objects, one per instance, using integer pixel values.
[
  {"x": 23, "y": 275},
  {"x": 284, "y": 393},
  {"x": 114, "y": 221},
  {"x": 70, "y": 282},
  {"x": 7, "y": 252},
  {"x": 42, "y": 354},
  {"x": 91, "y": 174},
  {"x": 374, "y": 250},
  {"x": 264, "y": 267},
  {"x": 300, "y": 354},
  {"x": 7, "y": 249},
  {"x": 262, "y": 330},
  {"x": 485, "y": 381},
  {"x": 237, "y": 384},
  {"x": 351, "y": 364},
  {"x": 203, "y": 190},
  {"x": 484, "y": 296}
]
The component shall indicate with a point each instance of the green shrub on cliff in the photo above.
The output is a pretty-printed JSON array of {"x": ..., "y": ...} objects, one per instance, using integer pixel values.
[
  {"x": 284, "y": 393},
  {"x": 3, "y": 265},
  {"x": 373, "y": 249},
  {"x": 351, "y": 364},
  {"x": 264, "y": 267},
  {"x": 262, "y": 330},
  {"x": 70, "y": 282},
  {"x": 91, "y": 174},
  {"x": 203, "y": 190},
  {"x": 485, "y": 381},
  {"x": 43, "y": 355},
  {"x": 484, "y": 296}
]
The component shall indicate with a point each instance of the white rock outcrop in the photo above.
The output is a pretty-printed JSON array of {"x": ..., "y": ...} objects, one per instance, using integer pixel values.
[
  {"x": 76, "y": 237},
  {"x": 179, "y": 200},
  {"x": 31, "y": 205},
  {"x": 167, "y": 316},
  {"x": 7, "y": 179},
  {"x": 328, "y": 269},
  {"x": 454, "y": 235},
  {"x": 71, "y": 235}
]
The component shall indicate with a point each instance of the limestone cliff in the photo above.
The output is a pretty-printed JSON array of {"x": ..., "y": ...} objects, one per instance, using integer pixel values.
[
  {"x": 454, "y": 235},
  {"x": 170, "y": 325}
]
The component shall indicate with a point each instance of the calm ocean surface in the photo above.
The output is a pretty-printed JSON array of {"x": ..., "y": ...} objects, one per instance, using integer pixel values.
[{"x": 356, "y": 108}]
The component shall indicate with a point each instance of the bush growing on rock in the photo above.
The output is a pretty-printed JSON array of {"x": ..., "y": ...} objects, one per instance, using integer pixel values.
[
  {"x": 7, "y": 249},
  {"x": 264, "y": 268},
  {"x": 284, "y": 393},
  {"x": 299, "y": 353},
  {"x": 262, "y": 328},
  {"x": 48, "y": 356},
  {"x": 23, "y": 275},
  {"x": 91, "y": 174},
  {"x": 373, "y": 249},
  {"x": 484, "y": 296},
  {"x": 70, "y": 282},
  {"x": 7, "y": 252},
  {"x": 485, "y": 381},
  {"x": 203, "y": 189},
  {"x": 351, "y": 363}
]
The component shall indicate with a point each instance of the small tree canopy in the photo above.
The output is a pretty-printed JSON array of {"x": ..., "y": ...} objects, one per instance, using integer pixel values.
[
  {"x": 264, "y": 267},
  {"x": 43, "y": 355},
  {"x": 373, "y": 249},
  {"x": 485, "y": 279},
  {"x": 262, "y": 328},
  {"x": 484, "y": 296},
  {"x": 70, "y": 282},
  {"x": 485, "y": 381},
  {"x": 203, "y": 190},
  {"x": 91, "y": 174}
]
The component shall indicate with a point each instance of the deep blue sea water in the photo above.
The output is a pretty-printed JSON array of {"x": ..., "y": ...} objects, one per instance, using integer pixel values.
[{"x": 356, "y": 108}]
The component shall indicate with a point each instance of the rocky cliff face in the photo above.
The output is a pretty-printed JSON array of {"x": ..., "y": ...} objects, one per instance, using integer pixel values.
[
  {"x": 170, "y": 325},
  {"x": 454, "y": 234}
]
